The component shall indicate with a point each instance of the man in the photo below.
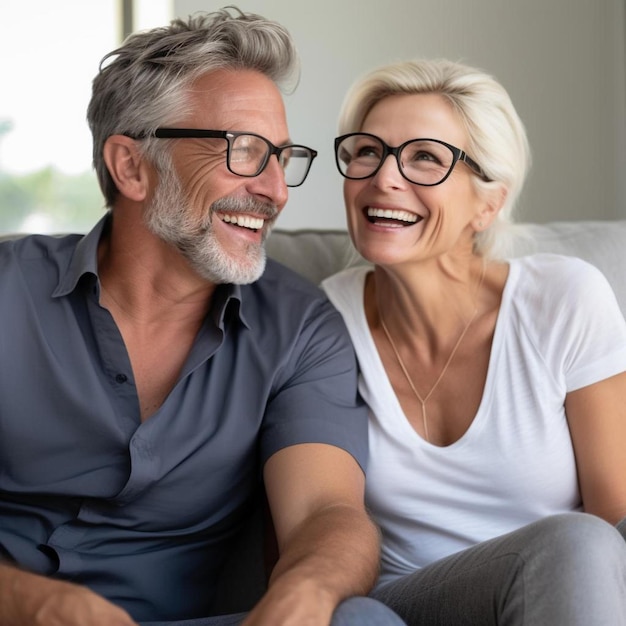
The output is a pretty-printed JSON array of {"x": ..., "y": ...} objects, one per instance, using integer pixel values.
[{"x": 151, "y": 367}]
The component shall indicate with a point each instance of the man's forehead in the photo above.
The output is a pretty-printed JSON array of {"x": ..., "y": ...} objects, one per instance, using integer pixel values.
[
  {"x": 230, "y": 85},
  {"x": 238, "y": 100}
]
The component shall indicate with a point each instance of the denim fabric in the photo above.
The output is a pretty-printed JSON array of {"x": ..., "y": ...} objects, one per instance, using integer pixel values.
[{"x": 351, "y": 612}]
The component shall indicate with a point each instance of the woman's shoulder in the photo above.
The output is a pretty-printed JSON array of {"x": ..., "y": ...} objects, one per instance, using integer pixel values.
[
  {"x": 557, "y": 273},
  {"x": 546, "y": 261},
  {"x": 547, "y": 287},
  {"x": 345, "y": 292},
  {"x": 349, "y": 281}
]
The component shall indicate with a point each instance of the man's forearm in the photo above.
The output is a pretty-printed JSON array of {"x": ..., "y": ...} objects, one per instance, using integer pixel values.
[
  {"x": 331, "y": 556},
  {"x": 14, "y": 583},
  {"x": 27, "y": 599},
  {"x": 337, "y": 548}
]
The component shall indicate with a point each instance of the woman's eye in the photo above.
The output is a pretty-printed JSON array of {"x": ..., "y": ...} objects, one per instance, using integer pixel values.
[
  {"x": 366, "y": 151},
  {"x": 425, "y": 156}
]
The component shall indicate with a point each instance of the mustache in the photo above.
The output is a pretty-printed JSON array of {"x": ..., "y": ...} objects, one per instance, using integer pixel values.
[{"x": 259, "y": 208}]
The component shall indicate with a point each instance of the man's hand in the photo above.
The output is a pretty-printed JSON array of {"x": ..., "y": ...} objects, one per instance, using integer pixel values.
[
  {"x": 30, "y": 600},
  {"x": 293, "y": 604}
]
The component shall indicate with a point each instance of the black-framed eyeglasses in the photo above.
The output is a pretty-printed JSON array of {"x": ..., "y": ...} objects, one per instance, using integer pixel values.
[
  {"x": 424, "y": 162},
  {"x": 247, "y": 154}
]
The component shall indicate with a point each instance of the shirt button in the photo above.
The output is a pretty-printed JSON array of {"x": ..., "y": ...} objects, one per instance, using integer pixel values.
[{"x": 121, "y": 378}]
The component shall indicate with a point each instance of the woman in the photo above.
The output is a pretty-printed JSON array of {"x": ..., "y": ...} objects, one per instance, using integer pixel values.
[{"x": 497, "y": 388}]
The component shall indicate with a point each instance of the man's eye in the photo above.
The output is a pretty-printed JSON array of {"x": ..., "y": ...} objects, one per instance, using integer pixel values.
[
  {"x": 249, "y": 153},
  {"x": 240, "y": 153}
]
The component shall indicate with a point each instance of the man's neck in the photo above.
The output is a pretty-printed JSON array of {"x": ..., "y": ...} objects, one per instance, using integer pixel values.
[{"x": 148, "y": 279}]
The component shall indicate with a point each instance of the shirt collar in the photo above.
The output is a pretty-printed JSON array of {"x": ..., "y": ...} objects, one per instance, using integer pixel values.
[
  {"x": 227, "y": 299},
  {"x": 227, "y": 302},
  {"x": 84, "y": 259}
]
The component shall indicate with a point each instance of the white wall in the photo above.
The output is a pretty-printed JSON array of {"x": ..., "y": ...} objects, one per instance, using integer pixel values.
[{"x": 562, "y": 61}]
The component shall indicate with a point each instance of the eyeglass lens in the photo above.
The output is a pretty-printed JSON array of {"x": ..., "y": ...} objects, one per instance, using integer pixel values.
[
  {"x": 422, "y": 161},
  {"x": 249, "y": 155}
]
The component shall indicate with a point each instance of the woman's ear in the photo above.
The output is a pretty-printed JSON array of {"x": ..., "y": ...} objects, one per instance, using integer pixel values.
[
  {"x": 126, "y": 167},
  {"x": 494, "y": 200}
]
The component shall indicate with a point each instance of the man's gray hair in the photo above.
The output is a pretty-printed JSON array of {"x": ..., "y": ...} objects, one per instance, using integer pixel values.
[{"x": 144, "y": 83}]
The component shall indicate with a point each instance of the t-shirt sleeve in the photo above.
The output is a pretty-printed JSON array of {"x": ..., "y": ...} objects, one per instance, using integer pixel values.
[
  {"x": 318, "y": 401},
  {"x": 584, "y": 332}
]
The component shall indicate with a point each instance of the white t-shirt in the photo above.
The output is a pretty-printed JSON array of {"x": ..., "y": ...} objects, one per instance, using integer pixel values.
[{"x": 559, "y": 329}]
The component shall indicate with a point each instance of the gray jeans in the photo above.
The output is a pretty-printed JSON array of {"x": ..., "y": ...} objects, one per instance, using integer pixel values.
[
  {"x": 566, "y": 569},
  {"x": 351, "y": 612}
]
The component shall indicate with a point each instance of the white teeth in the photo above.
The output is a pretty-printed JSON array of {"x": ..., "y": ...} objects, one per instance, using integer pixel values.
[
  {"x": 392, "y": 214},
  {"x": 245, "y": 221}
]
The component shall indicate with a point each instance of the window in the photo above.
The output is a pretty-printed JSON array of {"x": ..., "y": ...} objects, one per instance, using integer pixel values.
[{"x": 51, "y": 51}]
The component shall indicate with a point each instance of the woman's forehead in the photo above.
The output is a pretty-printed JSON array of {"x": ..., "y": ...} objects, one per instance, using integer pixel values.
[{"x": 409, "y": 116}]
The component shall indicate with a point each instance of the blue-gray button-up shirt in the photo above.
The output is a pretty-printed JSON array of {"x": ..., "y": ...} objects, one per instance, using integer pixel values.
[{"x": 143, "y": 512}]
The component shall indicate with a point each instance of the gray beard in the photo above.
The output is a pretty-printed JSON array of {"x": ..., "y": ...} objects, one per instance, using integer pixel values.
[{"x": 170, "y": 218}]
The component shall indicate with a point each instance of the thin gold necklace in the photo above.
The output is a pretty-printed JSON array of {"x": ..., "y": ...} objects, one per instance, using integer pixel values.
[{"x": 403, "y": 367}]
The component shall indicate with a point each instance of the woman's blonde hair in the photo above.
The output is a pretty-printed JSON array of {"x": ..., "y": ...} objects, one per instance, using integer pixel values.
[{"x": 497, "y": 137}]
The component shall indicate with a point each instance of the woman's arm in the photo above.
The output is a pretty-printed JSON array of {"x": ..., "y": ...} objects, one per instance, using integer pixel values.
[{"x": 597, "y": 420}]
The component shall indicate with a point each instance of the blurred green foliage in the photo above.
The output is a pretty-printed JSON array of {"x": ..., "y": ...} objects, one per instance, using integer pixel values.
[{"x": 48, "y": 200}]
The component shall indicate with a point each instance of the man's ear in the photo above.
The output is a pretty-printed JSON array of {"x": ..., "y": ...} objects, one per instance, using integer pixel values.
[
  {"x": 126, "y": 167},
  {"x": 493, "y": 201}
]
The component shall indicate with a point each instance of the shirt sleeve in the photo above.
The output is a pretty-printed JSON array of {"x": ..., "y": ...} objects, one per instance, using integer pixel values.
[{"x": 318, "y": 400}]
